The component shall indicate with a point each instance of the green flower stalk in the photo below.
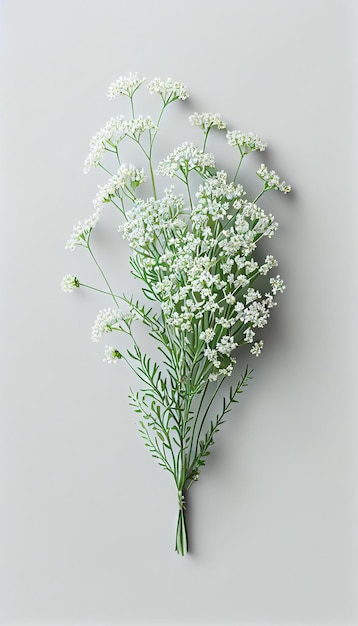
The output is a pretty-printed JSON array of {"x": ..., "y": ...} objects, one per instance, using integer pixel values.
[{"x": 206, "y": 293}]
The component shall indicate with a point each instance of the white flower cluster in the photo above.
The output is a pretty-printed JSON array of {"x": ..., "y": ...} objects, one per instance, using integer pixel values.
[
  {"x": 204, "y": 263},
  {"x": 125, "y": 86},
  {"x": 204, "y": 275},
  {"x": 207, "y": 120},
  {"x": 111, "y": 355},
  {"x": 269, "y": 263},
  {"x": 139, "y": 125},
  {"x": 127, "y": 176},
  {"x": 185, "y": 158},
  {"x": 277, "y": 284},
  {"x": 110, "y": 319},
  {"x": 272, "y": 180},
  {"x": 257, "y": 311},
  {"x": 194, "y": 284},
  {"x": 218, "y": 200},
  {"x": 104, "y": 323},
  {"x": 113, "y": 132},
  {"x": 168, "y": 89},
  {"x": 148, "y": 219},
  {"x": 69, "y": 283},
  {"x": 196, "y": 290},
  {"x": 82, "y": 230},
  {"x": 257, "y": 348},
  {"x": 247, "y": 141},
  {"x": 189, "y": 287},
  {"x": 264, "y": 224},
  {"x": 242, "y": 236},
  {"x": 214, "y": 201}
]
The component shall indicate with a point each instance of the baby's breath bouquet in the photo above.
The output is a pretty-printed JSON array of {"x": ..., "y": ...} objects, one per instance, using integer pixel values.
[{"x": 205, "y": 290}]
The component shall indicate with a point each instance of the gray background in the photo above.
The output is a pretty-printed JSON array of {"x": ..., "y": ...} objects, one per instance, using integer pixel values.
[{"x": 87, "y": 519}]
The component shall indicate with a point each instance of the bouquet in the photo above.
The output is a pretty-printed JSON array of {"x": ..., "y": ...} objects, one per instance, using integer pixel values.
[{"x": 206, "y": 293}]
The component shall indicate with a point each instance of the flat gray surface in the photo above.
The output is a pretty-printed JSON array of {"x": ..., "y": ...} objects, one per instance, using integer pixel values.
[{"x": 87, "y": 519}]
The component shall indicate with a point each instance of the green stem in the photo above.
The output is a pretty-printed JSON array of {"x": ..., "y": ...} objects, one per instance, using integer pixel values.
[
  {"x": 151, "y": 143},
  {"x": 238, "y": 167},
  {"x": 159, "y": 327},
  {"x": 206, "y": 138},
  {"x": 104, "y": 168},
  {"x": 189, "y": 194},
  {"x": 103, "y": 274},
  {"x": 108, "y": 293},
  {"x": 205, "y": 414},
  {"x": 203, "y": 394},
  {"x": 152, "y": 179},
  {"x": 260, "y": 194},
  {"x": 120, "y": 209},
  {"x": 149, "y": 157}
]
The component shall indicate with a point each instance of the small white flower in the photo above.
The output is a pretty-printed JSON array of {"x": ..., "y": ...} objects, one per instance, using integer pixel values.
[
  {"x": 168, "y": 89},
  {"x": 126, "y": 176},
  {"x": 207, "y": 335},
  {"x": 113, "y": 131},
  {"x": 104, "y": 322},
  {"x": 148, "y": 218},
  {"x": 230, "y": 298},
  {"x": 226, "y": 266},
  {"x": 69, "y": 283},
  {"x": 227, "y": 371},
  {"x": 125, "y": 86},
  {"x": 277, "y": 284},
  {"x": 207, "y": 120},
  {"x": 241, "y": 281},
  {"x": 225, "y": 322},
  {"x": 252, "y": 295},
  {"x": 111, "y": 355},
  {"x": 257, "y": 348},
  {"x": 272, "y": 180},
  {"x": 186, "y": 157},
  {"x": 211, "y": 354},
  {"x": 249, "y": 335},
  {"x": 251, "y": 266},
  {"x": 226, "y": 345},
  {"x": 82, "y": 230},
  {"x": 247, "y": 141},
  {"x": 139, "y": 125},
  {"x": 269, "y": 263}
]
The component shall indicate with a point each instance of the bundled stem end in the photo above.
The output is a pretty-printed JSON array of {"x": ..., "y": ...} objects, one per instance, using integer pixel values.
[{"x": 181, "y": 543}]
